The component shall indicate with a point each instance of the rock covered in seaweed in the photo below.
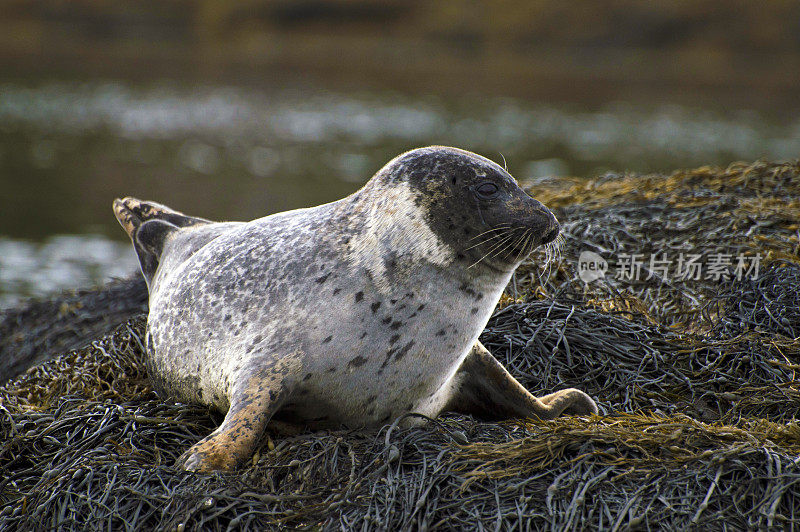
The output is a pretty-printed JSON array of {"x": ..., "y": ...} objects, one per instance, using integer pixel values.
[{"x": 696, "y": 382}]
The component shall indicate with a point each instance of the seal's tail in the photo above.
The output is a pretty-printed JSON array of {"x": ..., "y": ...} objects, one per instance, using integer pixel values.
[{"x": 149, "y": 224}]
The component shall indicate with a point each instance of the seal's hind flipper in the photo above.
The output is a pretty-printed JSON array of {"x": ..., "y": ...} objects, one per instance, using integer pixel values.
[
  {"x": 148, "y": 225},
  {"x": 149, "y": 243},
  {"x": 129, "y": 210}
]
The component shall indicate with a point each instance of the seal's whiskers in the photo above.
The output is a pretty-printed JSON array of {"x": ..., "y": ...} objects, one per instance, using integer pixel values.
[
  {"x": 489, "y": 239},
  {"x": 523, "y": 249},
  {"x": 504, "y": 250},
  {"x": 496, "y": 245},
  {"x": 552, "y": 257},
  {"x": 497, "y": 228}
]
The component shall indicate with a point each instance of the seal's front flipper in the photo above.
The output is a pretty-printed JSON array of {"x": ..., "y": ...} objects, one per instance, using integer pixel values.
[
  {"x": 256, "y": 398},
  {"x": 483, "y": 388},
  {"x": 149, "y": 224}
]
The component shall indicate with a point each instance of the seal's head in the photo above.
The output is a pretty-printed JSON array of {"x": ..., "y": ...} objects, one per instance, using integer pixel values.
[{"x": 474, "y": 205}]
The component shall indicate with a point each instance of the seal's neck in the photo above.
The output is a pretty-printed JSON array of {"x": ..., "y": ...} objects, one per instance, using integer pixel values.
[{"x": 390, "y": 234}]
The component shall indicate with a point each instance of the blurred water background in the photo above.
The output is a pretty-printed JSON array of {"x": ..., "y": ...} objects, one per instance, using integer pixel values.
[{"x": 240, "y": 109}]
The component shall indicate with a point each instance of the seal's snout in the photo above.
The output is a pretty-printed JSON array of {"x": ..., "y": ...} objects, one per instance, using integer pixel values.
[
  {"x": 552, "y": 227},
  {"x": 542, "y": 221},
  {"x": 552, "y": 234}
]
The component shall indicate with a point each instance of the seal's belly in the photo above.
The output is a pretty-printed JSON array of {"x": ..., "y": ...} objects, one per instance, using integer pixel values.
[
  {"x": 359, "y": 372},
  {"x": 376, "y": 366},
  {"x": 371, "y": 394}
]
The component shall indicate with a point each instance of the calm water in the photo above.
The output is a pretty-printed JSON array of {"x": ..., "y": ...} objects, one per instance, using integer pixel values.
[{"x": 68, "y": 149}]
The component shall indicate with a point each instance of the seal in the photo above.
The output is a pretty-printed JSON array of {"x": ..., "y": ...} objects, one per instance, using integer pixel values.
[{"x": 350, "y": 313}]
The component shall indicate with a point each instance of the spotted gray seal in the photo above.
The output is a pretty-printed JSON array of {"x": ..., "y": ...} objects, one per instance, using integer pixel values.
[{"x": 347, "y": 314}]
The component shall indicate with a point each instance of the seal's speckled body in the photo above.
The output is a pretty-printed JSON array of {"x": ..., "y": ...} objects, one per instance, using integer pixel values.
[{"x": 351, "y": 313}]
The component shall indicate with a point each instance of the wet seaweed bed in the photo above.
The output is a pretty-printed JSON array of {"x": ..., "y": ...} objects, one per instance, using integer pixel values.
[{"x": 695, "y": 379}]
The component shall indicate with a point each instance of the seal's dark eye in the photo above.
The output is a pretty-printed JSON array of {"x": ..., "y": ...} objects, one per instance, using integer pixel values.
[{"x": 486, "y": 190}]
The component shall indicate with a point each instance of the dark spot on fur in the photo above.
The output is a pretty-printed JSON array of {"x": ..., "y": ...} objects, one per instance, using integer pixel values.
[
  {"x": 328, "y": 339},
  {"x": 392, "y": 301},
  {"x": 441, "y": 332},
  {"x": 359, "y": 296},
  {"x": 371, "y": 399},
  {"x": 308, "y": 376},
  {"x": 402, "y": 352},
  {"x": 375, "y": 306},
  {"x": 363, "y": 335},
  {"x": 371, "y": 411},
  {"x": 331, "y": 370},
  {"x": 387, "y": 320},
  {"x": 394, "y": 338},
  {"x": 324, "y": 278},
  {"x": 474, "y": 310},
  {"x": 389, "y": 355},
  {"x": 419, "y": 308},
  {"x": 336, "y": 291},
  {"x": 396, "y": 325},
  {"x": 357, "y": 362},
  {"x": 467, "y": 289}
]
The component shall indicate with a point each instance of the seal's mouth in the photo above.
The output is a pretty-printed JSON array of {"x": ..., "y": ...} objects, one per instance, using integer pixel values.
[
  {"x": 528, "y": 239},
  {"x": 552, "y": 234}
]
